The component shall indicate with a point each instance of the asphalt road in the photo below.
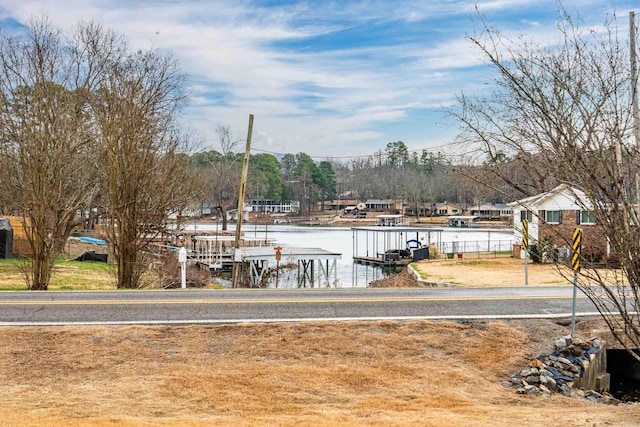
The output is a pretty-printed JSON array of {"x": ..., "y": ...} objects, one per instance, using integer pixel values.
[{"x": 233, "y": 306}]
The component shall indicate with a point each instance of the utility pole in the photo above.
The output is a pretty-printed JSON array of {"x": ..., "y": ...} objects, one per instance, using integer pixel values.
[{"x": 243, "y": 189}]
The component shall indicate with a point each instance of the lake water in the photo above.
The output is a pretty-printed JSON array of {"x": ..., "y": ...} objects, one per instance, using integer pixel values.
[{"x": 341, "y": 240}]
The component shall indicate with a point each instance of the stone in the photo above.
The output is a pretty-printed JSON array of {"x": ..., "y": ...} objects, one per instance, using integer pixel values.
[
  {"x": 553, "y": 371},
  {"x": 534, "y": 391},
  {"x": 533, "y": 379},
  {"x": 565, "y": 361},
  {"x": 536, "y": 363},
  {"x": 594, "y": 396},
  {"x": 564, "y": 389},
  {"x": 558, "y": 371},
  {"x": 551, "y": 383},
  {"x": 575, "y": 351},
  {"x": 566, "y": 375},
  {"x": 610, "y": 400}
]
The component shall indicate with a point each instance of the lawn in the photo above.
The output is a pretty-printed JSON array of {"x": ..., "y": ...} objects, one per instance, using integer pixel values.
[{"x": 67, "y": 275}]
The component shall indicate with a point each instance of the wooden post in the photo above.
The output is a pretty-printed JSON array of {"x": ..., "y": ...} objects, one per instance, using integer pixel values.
[
  {"x": 241, "y": 194},
  {"x": 278, "y": 250}
]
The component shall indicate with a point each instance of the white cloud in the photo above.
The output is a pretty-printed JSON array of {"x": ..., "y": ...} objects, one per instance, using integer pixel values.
[{"x": 320, "y": 98}]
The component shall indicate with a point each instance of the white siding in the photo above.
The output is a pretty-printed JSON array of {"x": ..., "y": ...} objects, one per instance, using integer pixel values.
[
  {"x": 517, "y": 225},
  {"x": 564, "y": 201}
]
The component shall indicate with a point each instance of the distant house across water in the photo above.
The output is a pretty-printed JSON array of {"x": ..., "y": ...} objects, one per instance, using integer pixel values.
[
  {"x": 447, "y": 209},
  {"x": 383, "y": 205},
  {"x": 491, "y": 211},
  {"x": 263, "y": 205}
]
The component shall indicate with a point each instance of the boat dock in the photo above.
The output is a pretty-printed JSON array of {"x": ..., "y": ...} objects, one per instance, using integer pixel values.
[
  {"x": 216, "y": 251},
  {"x": 259, "y": 260},
  {"x": 392, "y": 246},
  {"x": 314, "y": 266}
]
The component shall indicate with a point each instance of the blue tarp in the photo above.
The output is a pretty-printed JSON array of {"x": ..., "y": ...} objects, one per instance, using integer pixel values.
[{"x": 92, "y": 240}]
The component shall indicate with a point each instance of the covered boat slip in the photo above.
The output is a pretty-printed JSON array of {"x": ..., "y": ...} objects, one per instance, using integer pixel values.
[
  {"x": 392, "y": 245},
  {"x": 216, "y": 251},
  {"x": 258, "y": 257},
  {"x": 315, "y": 267}
]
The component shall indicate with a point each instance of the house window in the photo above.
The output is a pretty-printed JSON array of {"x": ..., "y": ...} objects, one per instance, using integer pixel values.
[
  {"x": 587, "y": 217},
  {"x": 553, "y": 217},
  {"x": 528, "y": 215}
]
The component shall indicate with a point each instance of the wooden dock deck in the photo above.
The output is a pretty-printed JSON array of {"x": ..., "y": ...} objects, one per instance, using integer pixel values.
[{"x": 382, "y": 261}]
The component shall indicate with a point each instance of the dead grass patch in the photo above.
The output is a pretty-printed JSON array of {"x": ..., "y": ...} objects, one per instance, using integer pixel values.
[
  {"x": 497, "y": 271},
  {"x": 347, "y": 373}
]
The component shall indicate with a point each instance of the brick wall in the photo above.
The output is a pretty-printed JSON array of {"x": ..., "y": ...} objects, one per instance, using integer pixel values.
[{"x": 593, "y": 239}]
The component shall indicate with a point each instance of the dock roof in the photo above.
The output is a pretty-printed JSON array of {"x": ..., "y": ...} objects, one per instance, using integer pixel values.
[
  {"x": 266, "y": 253},
  {"x": 398, "y": 229}
]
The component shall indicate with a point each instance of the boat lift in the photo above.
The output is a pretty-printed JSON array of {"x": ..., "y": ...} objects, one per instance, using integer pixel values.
[
  {"x": 315, "y": 266},
  {"x": 385, "y": 246},
  {"x": 461, "y": 220}
]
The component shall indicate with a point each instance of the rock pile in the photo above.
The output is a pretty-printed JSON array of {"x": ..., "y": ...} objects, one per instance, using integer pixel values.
[{"x": 557, "y": 372}]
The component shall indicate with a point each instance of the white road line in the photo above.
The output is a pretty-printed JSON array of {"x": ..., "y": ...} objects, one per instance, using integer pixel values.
[
  {"x": 283, "y": 300},
  {"x": 293, "y": 320}
]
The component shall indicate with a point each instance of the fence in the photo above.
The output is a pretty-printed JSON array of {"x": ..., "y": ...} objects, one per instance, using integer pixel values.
[{"x": 496, "y": 246}]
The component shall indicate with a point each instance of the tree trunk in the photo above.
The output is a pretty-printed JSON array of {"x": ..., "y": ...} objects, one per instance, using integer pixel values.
[{"x": 223, "y": 213}]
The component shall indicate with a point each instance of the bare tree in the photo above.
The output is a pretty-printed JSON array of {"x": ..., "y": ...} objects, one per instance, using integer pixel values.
[
  {"x": 143, "y": 165},
  {"x": 565, "y": 110},
  {"x": 223, "y": 173},
  {"x": 44, "y": 81},
  {"x": 417, "y": 190}
]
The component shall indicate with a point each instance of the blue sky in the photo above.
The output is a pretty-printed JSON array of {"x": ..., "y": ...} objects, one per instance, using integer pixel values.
[{"x": 329, "y": 78}]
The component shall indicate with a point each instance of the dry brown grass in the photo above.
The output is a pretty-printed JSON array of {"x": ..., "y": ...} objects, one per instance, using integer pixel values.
[
  {"x": 379, "y": 373},
  {"x": 494, "y": 271}
]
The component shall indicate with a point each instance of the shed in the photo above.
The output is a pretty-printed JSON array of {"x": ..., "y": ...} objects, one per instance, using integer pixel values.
[{"x": 6, "y": 238}]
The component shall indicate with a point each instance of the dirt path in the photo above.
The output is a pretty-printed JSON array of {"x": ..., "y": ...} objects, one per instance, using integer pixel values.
[{"x": 337, "y": 374}]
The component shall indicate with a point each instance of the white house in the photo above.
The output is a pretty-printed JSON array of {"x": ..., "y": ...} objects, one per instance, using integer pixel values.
[
  {"x": 491, "y": 211},
  {"x": 555, "y": 214},
  {"x": 549, "y": 208}
]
